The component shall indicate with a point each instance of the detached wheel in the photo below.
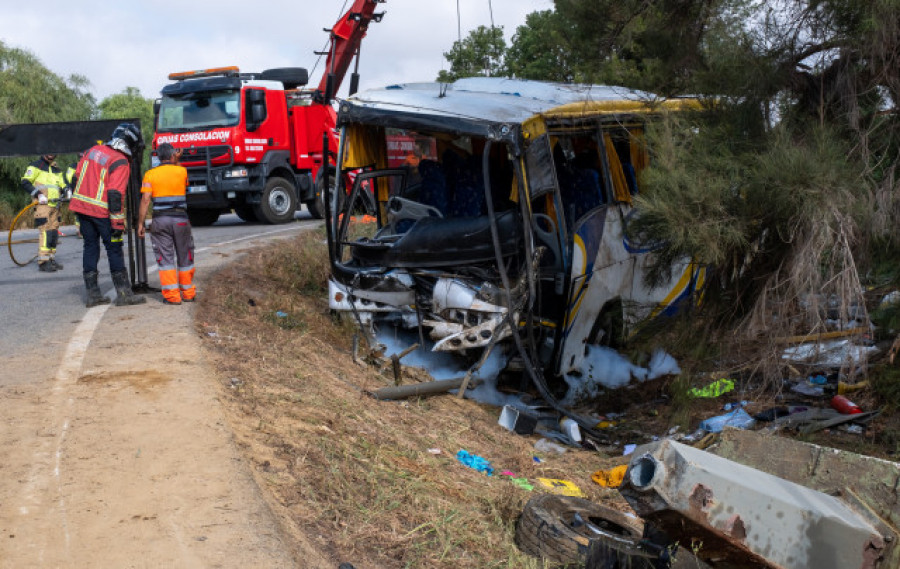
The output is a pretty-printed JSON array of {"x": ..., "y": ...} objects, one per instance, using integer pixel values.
[
  {"x": 203, "y": 217},
  {"x": 246, "y": 212},
  {"x": 568, "y": 530},
  {"x": 278, "y": 202}
]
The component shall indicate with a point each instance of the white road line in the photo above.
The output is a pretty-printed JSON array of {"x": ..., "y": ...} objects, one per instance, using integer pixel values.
[{"x": 67, "y": 375}]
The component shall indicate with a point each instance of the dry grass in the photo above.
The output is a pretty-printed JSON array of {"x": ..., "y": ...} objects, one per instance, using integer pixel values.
[{"x": 354, "y": 473}]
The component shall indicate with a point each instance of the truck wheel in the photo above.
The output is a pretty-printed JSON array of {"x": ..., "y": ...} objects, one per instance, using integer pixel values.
[
  {"x": 569, "y": 530},
  {"x": 316, "y": 206},
  {"x": 246, "y": 212},
  {"x": 278, "y": 202},
  {"x": 203, "y": 217}
]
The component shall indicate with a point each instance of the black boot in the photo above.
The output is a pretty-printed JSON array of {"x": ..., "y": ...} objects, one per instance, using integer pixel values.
[
  {"x": 57, "y": 266},
  {"x": 94, "y": 296},
  {"x": 124, "y": 295},
  {"x": 46, "y": 267}
]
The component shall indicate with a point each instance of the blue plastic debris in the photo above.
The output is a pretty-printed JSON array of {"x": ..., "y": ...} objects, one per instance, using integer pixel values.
[
  {"x": 474, "y": 461},
  {"x": 738, "y": 419},
  {"x": 818, "y": 379}
]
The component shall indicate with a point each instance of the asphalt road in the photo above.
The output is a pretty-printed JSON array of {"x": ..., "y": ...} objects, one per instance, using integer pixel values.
[{"x": 40, "y": 311}]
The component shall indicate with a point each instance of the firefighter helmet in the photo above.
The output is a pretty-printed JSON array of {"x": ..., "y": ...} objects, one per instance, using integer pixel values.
[{"x": 125, "y": 138}]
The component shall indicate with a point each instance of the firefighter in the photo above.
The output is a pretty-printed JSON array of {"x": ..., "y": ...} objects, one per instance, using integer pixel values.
[
  {"x": 43, "y": 180},
  {"x": 170, "y": 230},
  {"x": 99, "y": 203}
]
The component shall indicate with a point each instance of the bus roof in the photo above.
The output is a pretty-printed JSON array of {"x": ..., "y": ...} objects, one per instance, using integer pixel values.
[{"x": 472, "y": 105}]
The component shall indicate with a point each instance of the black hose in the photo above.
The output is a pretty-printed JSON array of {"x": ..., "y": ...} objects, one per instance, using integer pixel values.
[{"x": 534, "y": 373}]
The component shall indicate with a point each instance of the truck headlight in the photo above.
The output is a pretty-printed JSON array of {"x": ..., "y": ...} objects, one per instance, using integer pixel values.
[{"x": 236, "y": 173}]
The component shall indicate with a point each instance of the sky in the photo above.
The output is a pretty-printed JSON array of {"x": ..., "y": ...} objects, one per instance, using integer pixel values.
[{"x": 137, "y": 43}]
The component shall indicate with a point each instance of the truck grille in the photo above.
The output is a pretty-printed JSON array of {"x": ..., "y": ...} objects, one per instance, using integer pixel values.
[{"x": 219, "y": 155}]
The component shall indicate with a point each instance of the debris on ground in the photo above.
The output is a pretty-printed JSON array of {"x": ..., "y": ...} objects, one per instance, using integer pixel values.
[{"x": 744, "y": 517}]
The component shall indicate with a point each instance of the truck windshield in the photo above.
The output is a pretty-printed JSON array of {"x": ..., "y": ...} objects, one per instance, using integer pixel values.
[{"x": 195, "y": 111}]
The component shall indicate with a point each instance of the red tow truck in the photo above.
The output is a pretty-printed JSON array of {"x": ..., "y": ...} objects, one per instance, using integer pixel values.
[{"x": 253, "y": 142}]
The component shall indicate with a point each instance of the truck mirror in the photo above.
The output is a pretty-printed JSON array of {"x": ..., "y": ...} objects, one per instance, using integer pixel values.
[
  {"x": 156, "y": 105},
  {"x": 255, "y": 108}
]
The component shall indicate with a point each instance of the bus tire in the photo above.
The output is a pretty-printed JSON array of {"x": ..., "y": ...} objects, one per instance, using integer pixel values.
[{"x": 564, "y": 529}]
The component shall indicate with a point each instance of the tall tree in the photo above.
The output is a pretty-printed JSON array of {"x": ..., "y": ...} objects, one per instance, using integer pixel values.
[
  {"x": 539, "y": 51},
  {"x": 29, "y": 92},
  {"x": 478, "y": 55}
]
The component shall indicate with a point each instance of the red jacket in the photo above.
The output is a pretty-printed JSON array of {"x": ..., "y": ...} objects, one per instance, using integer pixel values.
[{"x": 102, "y": 182}]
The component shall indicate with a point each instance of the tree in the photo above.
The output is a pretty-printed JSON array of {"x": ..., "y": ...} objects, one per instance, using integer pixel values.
[
  {"x": 29, "y": 93},
  {"x": 479, "y": 55},
  {"x": 538, "y": 50}
]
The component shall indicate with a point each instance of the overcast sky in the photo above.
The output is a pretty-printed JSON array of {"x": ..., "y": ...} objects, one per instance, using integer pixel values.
[{"x": 137, "y": 43}]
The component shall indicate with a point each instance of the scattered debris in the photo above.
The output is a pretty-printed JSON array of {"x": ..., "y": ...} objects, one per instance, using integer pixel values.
[
  {"x": 813, "y": 420},
  {"x": 844, "y": 405},
  {"x": 474, "y": 461},
  {"x": 567, "y": 530},
  {"x": 745, "y": 517},
  {"x": 521, "y": 482},
  {"x": 874, "y": 481},
  {"x": 738, "y": 419},
  {"x": 611, "y": 478},
  {"x": 832, "y": 353},
  {"x": 418, "y": 389},
  {"x": 571, "y": 430},
  {"x": 517, "y": 421},
  {"x": 714, "y": 389},
  {"x": 544, "y": 445},
  {"x": 561, "y": 487}
]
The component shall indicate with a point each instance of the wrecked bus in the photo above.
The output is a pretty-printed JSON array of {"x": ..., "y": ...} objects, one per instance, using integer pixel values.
[{"x": 502, "y": 217}]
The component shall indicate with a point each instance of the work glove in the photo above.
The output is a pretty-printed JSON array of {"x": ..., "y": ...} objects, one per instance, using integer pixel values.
[
  {"x": 42, "y": 199},
  {"x": 117, "y": 235}
]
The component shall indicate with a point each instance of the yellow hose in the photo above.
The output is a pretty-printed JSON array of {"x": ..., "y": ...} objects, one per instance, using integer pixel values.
[{"x": 9, "y": 239}]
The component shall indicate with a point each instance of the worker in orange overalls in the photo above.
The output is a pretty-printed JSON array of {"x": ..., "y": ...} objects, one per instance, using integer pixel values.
[
  {"x": 43, "y": 180},
  {"x": 170, "y": 230}
]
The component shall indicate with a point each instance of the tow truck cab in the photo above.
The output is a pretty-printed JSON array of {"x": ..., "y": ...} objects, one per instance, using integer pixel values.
[{"x": 244, "y": 141}]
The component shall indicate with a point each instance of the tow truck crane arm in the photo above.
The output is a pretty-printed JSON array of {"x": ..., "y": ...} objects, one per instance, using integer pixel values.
[{"x": 346, "y": 37}]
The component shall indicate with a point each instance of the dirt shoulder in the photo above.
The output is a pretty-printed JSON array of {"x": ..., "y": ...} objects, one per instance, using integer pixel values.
[{"x": 125, "y": 459}]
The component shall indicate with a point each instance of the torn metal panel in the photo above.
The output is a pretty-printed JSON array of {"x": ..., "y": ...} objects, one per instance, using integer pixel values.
[
  {"x": 741, "y": 517},
  {"x": 874, "y": 481}
]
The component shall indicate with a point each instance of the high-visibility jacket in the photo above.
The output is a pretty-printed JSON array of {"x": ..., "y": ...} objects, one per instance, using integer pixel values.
[
  {"x": 68, "y": 177},
  {"x": 102, "y": 182},
  {"x": 41, "y": 176},
  {"x": 167, "y": 185}
]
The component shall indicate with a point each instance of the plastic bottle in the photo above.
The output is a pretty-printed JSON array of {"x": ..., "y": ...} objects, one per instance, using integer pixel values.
[{"x": 844, "y": 405}]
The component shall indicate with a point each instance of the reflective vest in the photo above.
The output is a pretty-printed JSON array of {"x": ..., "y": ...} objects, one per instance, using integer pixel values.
[
  {"x": 166, "y": 184},
  {"x": 44, "y": 178},
  {"x": 102, "y": 182}
]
